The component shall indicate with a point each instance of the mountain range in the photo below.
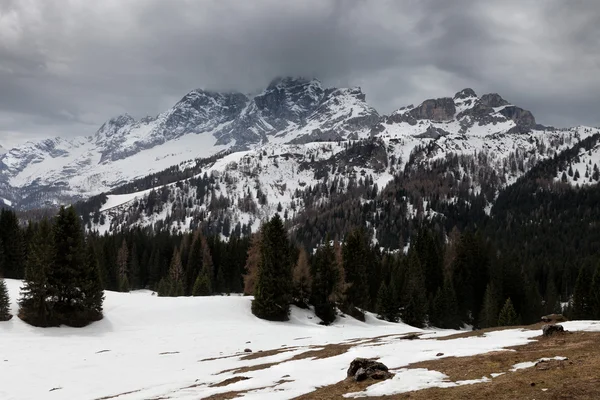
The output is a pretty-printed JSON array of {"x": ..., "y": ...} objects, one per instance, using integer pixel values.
[{"x": 292, "y": 137}]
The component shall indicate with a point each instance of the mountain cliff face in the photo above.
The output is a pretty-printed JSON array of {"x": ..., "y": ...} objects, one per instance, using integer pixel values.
[{"x": 293, "y": 117}]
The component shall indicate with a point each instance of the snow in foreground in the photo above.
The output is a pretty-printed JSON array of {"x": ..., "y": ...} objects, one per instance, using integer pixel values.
[{"x": 148, "y": 347}]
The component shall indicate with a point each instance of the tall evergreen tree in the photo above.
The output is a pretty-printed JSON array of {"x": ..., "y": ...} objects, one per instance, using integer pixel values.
[
  {"x": 11, "y": 237},
  {"x": 172, "y": 285},
  {"x": 387, "y": 305},
  {"x": 582, "y": 304},
  {"x": 508, "y": 315},
  {"x": 5, "y": 314},
  {"x": 355, "y": 255},
  {"x": 302, "y": 280},
  {"x": 491, "y": 307},
  {"x": 193, "y": 267},
  {"x": 595, "y": 294},
  {"x": 414, "y": 303},
  {"x": 123, "y": 268},
  {"x": 324, "y": 282},
  {"x": 252, "y": 262},
  {"x": 92, "y": 284},
  {"x": 273, "y": 289},
  {"x": 34, "y": 307}
]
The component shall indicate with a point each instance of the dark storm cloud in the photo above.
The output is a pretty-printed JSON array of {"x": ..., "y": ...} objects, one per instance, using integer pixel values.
[{"x": 67, "y": 66}]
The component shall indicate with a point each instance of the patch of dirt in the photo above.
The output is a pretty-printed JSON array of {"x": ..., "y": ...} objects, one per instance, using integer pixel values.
[
  {"x": 164, "y": 353},
  {"x": 320, "y": 352},
  {"x": 267, "y": 353},
  {"x": 229, "y": 381},
  {"x": 234, "y": 394},
  {"x": 576, "y": 378},
  {"x": 116, "y": 395}
]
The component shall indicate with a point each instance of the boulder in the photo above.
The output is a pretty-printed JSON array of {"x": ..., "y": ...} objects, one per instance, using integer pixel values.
[
  {"x": 554, "y": 318},
  {"x": 363, "y": 368},
  {"x": 549, "y": 330}
]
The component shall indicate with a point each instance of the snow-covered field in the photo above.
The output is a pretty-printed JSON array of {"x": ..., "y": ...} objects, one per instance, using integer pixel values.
[{"x": 148, "y": 347}]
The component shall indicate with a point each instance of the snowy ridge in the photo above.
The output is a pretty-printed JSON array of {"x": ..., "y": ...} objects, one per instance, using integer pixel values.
[
  {"x": 182, "y": 356},
  {"x": 282, "y": 172}
]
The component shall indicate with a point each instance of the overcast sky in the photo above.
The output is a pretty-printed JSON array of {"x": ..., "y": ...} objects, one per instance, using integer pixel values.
[{"x": 66, "y": 66}]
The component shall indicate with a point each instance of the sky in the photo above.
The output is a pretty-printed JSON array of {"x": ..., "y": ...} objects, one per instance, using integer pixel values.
[{"x": 66, "y": 66}]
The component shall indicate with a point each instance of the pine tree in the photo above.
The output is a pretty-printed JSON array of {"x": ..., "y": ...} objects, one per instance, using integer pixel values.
[
  {"x": 595, "y": 294},
  {"x": 134, "y": 269},
  {"x": 202, "y": 285},
  {"x": 5, "y": 314},
  {"x": 207, "y": 263},
  {"x": 92, "y": 285},
  {"x": 194, "y": 263},
  {"x": 491, "y": 307},
  {"x": 508, "y": 315},
  {"x": 444, "y": 310},
  {"x": 273, "y": 289},
  {"x": 66, "y": 275},
  {"x": 581, "y": 295},
  {"x": 252, "y": 262},
  {"x": 36, "y": 291},
  {"x": 11, "y": 237},
  {"x": 387, "y": 306},
  {"x": 324, "y": 282},
  {"x": 122, "y": 268},
  {"x": 414, "y": 312},
  {"x": 172, "y": 285},
  {"x": 355, "y": 253},
  {"x": 302, "y": 280}
]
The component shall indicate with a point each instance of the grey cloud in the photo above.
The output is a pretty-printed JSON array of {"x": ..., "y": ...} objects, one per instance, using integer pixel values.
[{"x": 66, "y": 67}]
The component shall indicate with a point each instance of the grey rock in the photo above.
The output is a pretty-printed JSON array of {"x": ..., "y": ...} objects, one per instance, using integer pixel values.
[
  {"x": 549, "y": 330},
  {"x": 363, "y": 368}
]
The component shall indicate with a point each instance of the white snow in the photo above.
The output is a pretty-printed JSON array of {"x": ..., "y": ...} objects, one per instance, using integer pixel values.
[
  {"x": 529, "y": 364},
  {"x": 148, "y": 347}
]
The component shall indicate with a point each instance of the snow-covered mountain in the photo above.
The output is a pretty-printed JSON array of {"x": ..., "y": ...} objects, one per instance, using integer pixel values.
[
  {"x": 282, "y": 119},
  {"x": 201, "y": 124}
]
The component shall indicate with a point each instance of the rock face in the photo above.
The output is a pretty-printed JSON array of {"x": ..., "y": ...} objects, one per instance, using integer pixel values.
[
  {"x": 549, "y": 330},
  {"x": 363, "y": 368},
  {"x": 435, "y": 109}
]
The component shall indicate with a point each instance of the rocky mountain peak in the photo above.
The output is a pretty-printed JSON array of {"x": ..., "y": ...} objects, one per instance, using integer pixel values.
[
  {"x": 493, "y": 100},
  {"x": 113, "y": 125},
  {"x": 465, "y": 94}
]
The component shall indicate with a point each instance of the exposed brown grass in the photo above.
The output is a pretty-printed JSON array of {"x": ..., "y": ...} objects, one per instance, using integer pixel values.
[
  {"x": 577, "y": 378},
  {"x": 230, "y": 381}
]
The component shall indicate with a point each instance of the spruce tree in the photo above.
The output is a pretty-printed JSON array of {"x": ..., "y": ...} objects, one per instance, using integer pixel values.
[
  {"x": 34, "y": 305},
  {"x": 71, "y": 281},
  {"x": 491, "y": 307},
  {"x": 11, "y": 237},
  {"x": 5, "y": 314},
  {"x": 172, "y": 285},
  {"x": 273, "y": 291},
  {"x": 122, "y": 268},
  {"x": 355, "y": 254},
  {"x": 302, "y": 280},
  {"x": 444, "y": 309},
  {"x": 252, "y": 262},
  {"x": 414, "y": 312},
  {"x": 324, "y": 283},
  {"x": 387, "y": 306},
  {"x": 207, "y": 263},
  {"x": 92, "y": 285},
  {"x": 595, "y": 294},
  {"x": 202, "y": 285},
  {"x": 581, "y": 295},
  {"x": 193, "y": 267},
  {"x": 508, "y": 315}
]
